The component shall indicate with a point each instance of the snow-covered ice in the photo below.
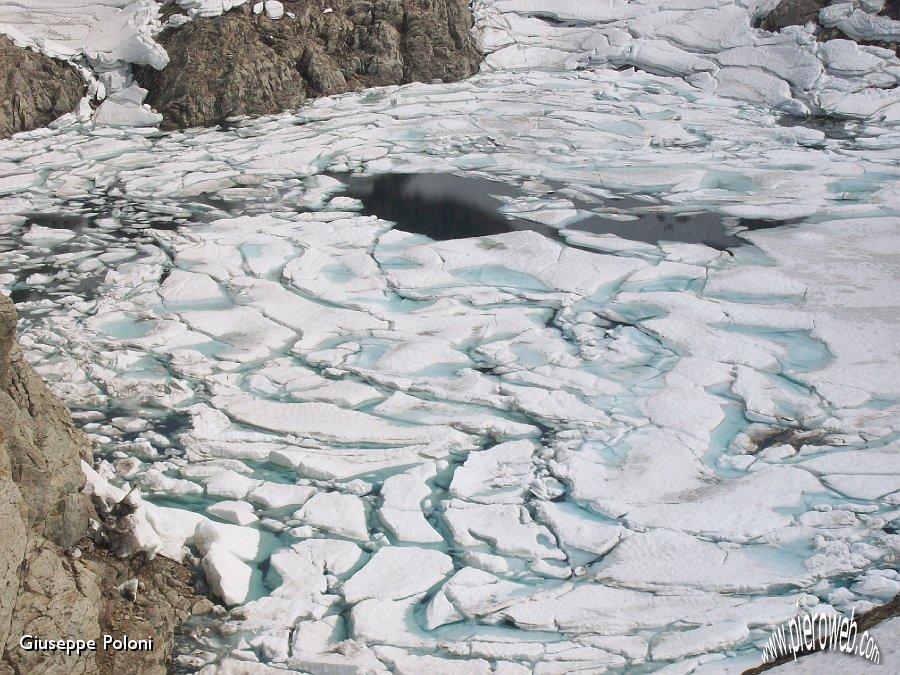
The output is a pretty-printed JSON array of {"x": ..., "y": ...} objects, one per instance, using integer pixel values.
[{"x": 546, "y": 450}]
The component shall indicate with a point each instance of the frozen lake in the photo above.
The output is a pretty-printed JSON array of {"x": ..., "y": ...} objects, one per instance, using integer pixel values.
[{"x": 552, "y": 370}]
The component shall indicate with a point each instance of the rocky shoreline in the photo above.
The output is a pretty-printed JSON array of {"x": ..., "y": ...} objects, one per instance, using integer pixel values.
[
  {"x": 253, "y": 61},
  {"x": 55, "y": 582},
  {"x": 244, "y": 63}
]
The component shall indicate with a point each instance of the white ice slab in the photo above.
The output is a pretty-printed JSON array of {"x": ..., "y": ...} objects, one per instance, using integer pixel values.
[
  {"x": 397, "y": 572},
  {"x": 341, "y": 514}
]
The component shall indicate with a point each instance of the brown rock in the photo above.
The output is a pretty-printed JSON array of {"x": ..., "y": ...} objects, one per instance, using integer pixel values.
[
  {"x": 793, "y": 13},
  {"x": 246, "y": 64},
  {"x": 34, "y": 89},
  {"x": 43, "y": 448}
]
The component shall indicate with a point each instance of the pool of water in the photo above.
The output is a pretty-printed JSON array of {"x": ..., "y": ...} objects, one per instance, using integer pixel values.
[{"x": 446, "y": 206}]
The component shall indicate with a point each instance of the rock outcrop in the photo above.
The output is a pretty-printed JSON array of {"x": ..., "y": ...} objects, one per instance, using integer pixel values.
[
  {"x": 54, "y": 583},
  {"x": 243, "y": 63},
  {"x": 34, "y": 89},
  {"x": 792, "y": 13}
]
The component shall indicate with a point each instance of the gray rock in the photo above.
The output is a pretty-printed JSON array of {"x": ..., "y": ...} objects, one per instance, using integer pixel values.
[
  {"x": 34, "y": 89},
  {"x": 246, "y": 64}
]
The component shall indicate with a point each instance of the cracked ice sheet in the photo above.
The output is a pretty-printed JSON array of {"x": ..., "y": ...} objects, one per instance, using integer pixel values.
[
  {"x": 710, "y": 43},
  {"x": 599, "y": 412}
]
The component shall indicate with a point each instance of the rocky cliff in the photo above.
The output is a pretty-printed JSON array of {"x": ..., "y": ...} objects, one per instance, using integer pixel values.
[
  {"x": 243, "y": 63},
  {"x": 34, "y": 89},
  {"x": 54, "y": 583}
]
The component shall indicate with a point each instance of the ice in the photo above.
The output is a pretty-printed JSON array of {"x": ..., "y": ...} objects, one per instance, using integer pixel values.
[
  {"x": 863, "y": 487},
  {"x": 577, "y": 529},
  {"x": 230, "y": 484},
  {"x": 229, "y": 577},
  {"x": 656, "y": 469},
  {"x": 576, "y": 10},
  {"x": 208, "y": 8},
  {"x": 341, "y": 514},
  {"x": 402, "y": 507},
  {"x": 236, "y": 666},
  {"x": 430, "y": 665},
  {"x": 702, "y": 29},
  {"x": 673, "y": 646},
  {"x": 507, "y": 528},
  {"x": 131, "y": 532},
  {"x": 329, "y": 423},
  {"x": 182, "y": 287},
  {"x": 175, "y": 527},
  {"x": 111, "y": 31},
  {"x": 881, "y": 584},
  {"x": 663, "y": 559},
  {"x": 274, "y": 9},
  {"x": 711, "y": 44},
  {"x": 859, "y": 25},
  {"x": 473, "y": 593},
  {"x": 118, "y": 112},
  {"x": 101, "y": 41},
  {"x": 761, "y": 87},
  {"x": 331, "y": 555},
  {"x": 499, "y": 475},
  {"x": 153, "y": 480},
  {"x": 236, "y": 512},
  {"x": 96, "y": 486},
  {"x": 388, "y": 622},
  {"x": 279, "y": 495},
  {"x": 397, "y": 572},
  {"x": 242, "y": 542},
  {"x": 250, "y": 334},
  {"x": 737, "y": 512},
  {"x": 46, "y": 236}
]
